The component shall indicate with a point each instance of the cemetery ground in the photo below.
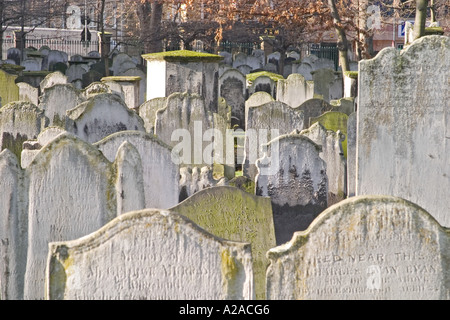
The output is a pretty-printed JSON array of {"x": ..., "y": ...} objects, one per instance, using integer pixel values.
[{"x": 212, "y": 177}]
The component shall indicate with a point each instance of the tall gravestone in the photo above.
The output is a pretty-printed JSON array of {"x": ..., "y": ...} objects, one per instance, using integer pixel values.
[
  {"x": 294, "y": 90},
  {"x": 183, "y": 71},
  {"x": 333, "y": 155},
  {"x": 365, "y": 247},
  {"x": 160, "y": 173},
  {"x": 69, "y": 195},
  {"x": 9, "y": 91},
  {"x": 264, "y": 123},
  {"x": 233, "y": 214},
  {"x": 13, "y": 228},
  {"x": 150, "y": 254},
  {"x": 402, "y": 131},
  {"x": 294, "y": 176},
  {"x": 182, "y": 124},
  {"x": 232, "y": 87}
]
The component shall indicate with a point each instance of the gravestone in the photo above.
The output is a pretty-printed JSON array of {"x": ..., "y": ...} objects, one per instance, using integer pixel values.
[
  {"x": 233, "y": 214},
  {"x": 344, "y": 105},
  {"x": 182, "y": 124},
  {"x": 147, "y": 111},
  {"x": 129, "y": 86},
  {"x": 31, "y": 65},
  {"x": 403, "y": 132},
  {"x": 351, "y": 154},
  {"x": 14, "y": 54},
  {"x": 13, "y": 228},
  {"x": 102, "y": 115},
  {"x": 227, "y": 57},
  {"x": 136, "y": 72},
  {"x": 51, "y": 79},
  {"x": 264, "y": 123},
  {"x": 263, "y": 83},
  {"x": 121, "y": 63},
  {"x": 314, "y": 108},
  {"x": 364, "y": 248},
  {"x": 32, "y": 147},
  {"x": 28, "y": 93},
  {"x": 158, "y": 255},
  {"x": 71, "y": 193},
  {"x": 294, "y": 176},
  {"x": 193, "y": 180},
  {"x": 294, "y": 90},
  {"x": 232, "y": 87},
  {"x": 76, "y": 72},
  {"x": 239, "y": 59},
  {"x": 333, "y": 155},
  {"x": 160, "y": 173},
  {"x": 183, "y": 71},
  {"x": 57, "y": 100},
  {"x": 9, "y": 91},
  {"x": 20, "y": 121},
  {"x": 328, "y": 83},
  {"x": 336, "y": 121},
  {"x": 258, "y": 99}
]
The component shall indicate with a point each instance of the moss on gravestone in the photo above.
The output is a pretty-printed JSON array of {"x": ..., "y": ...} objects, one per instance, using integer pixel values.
[
  {"x": 182, "y": 56},
  {"x": 335, "y": 121},
  {"x": 251, "y": 77}
]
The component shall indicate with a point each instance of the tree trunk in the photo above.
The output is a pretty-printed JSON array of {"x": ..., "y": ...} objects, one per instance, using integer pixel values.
[
  {"x": 421, "y": 18},
  {"x": 342, "y": 43},
  {"x": 155, "y": 43}
]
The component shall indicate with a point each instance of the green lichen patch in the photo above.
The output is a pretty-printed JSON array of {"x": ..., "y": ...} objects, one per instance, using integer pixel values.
[
  {"x": 121, "y": 79},
  {"x": 434, "y": 30},
  {"x": 274, "y": 76},
  {"x": 182, "y": 56},
  {"x": 351, "y": 74}
]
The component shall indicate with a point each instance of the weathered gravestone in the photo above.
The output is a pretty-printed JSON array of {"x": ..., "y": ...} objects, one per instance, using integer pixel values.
[
  {"x": 57, "y": 100},
  {"x": 160, "y": 173},
  {"x": 129, "y": 86},
  {"x": 147, "y": 111},
  {"x": 150, "y": 254},
  {"x": 28, "y": 93},
  {"x": 294, "y": 90},
  {"x": 232, "y": 87},
  {"x": 73, "y": 190},
  {"x": 51, "y": 79},
  {"x": 366, "y": 247},
  {"x": 195, "y": 179},
  {"x": 313, "y": 108},
  {"x": 328, "y": 83},
  {"x": 100, "y": 116},
  {"x": 20, "y": 121},
  {"x": 294, "y": 176},
  {"x": 336, "y": 121},
  {"x": 257, "y": 99},
  {"x": 183, "y": 71},
  {"x": 264, "y": 123},
  {"x": 9, "y": 91},
  {"x": 403, "y": 132},
  {"x": 351, "y": 154},
  {"x": 230, "y": 213},
  {"x": 183, "y": 124},
  {"x": 262, "y": 83},
  {"x": 13, "y": 226},
  {"x": 333, "y": 156}
]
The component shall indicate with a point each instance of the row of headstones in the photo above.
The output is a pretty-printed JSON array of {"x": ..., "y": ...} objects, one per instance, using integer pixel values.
[
  {"x": 80, "y": 70},
  {"x": 72, "y": 188},
  {"x": 293, "y": 91},
  {"x": 293, "y": 63},
  {"x": 359, "y": 249}
]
